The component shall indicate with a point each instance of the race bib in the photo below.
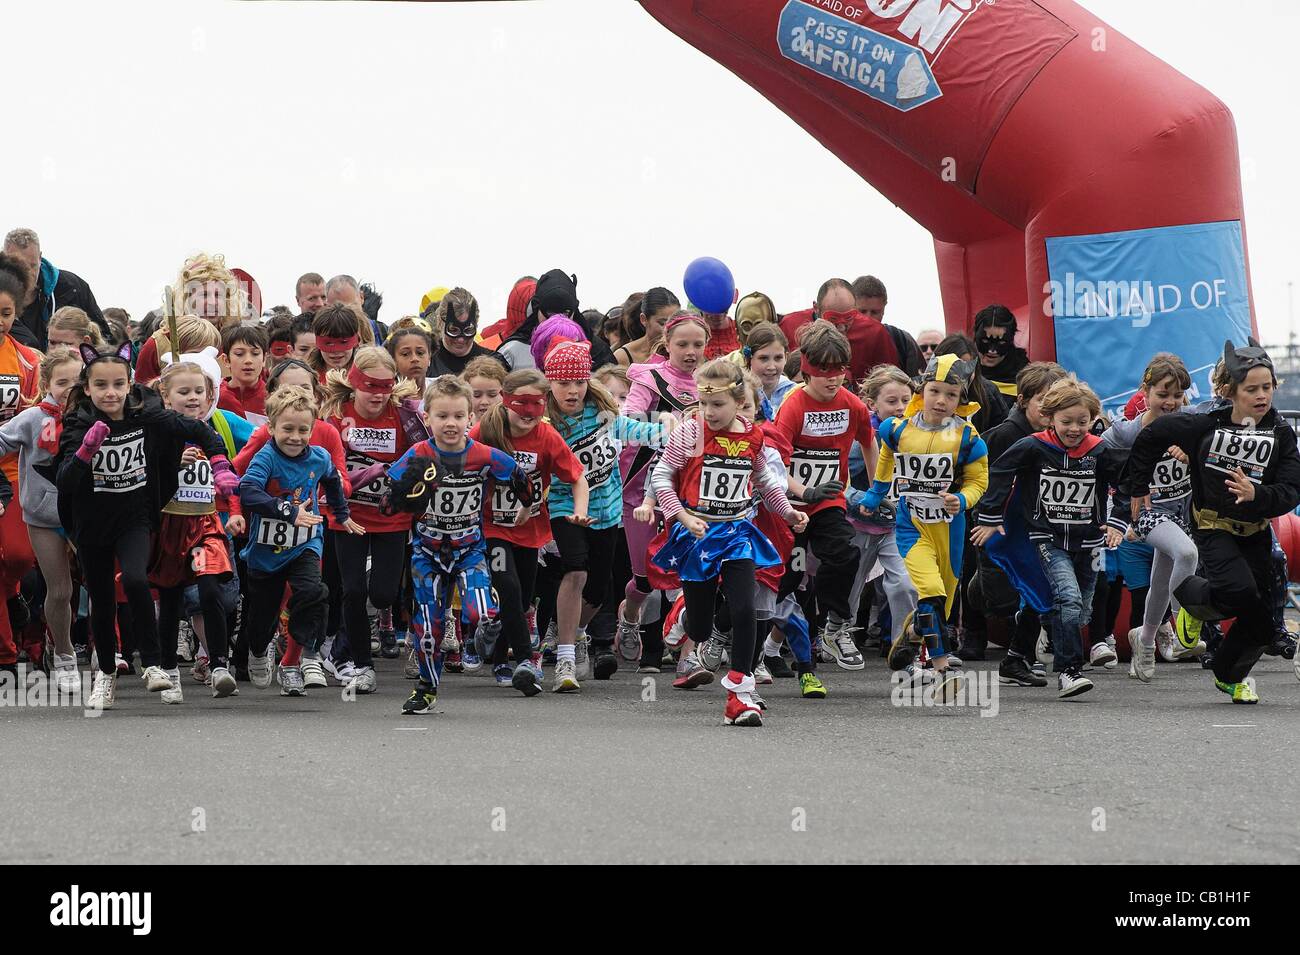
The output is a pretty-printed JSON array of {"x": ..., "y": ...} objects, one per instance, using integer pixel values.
[
  {"x": 724, "y": 486},
  {"x": 506, "y": 503},
  {"x": 597, "y": 454},
  {"x": 1249, "y": 450},
  {"x": 256, "y": 420},
  {"x": 813, "y": 467},
  {"x": 923, "y": 473},
  {"x": 456, "y": 506},
  {"x": 194, "y": 483},
  {"x": 10, "y": 396},
  {"x": 1066, "y": 500},
  {"x": 825, "y": 424},
  {"x": 282, "y": 535},
  {"x": 928, "y": 509},
  {"x": 369, "y": 494},
  {"x": 372, "y": 440},
  {"x": 1172, "y": 481},
  {"x": 118, "y": 465}
]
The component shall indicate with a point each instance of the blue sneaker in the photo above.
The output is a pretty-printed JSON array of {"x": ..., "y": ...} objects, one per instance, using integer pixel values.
[
  {"x": 503, "y": 673},
  {"x": 472, "y": 661}
]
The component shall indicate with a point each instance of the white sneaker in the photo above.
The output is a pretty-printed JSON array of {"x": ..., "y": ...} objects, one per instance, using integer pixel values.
[
  {"x": 224, "y": 683},
  {"x": 363, "y": 681},
  {"x": 581, "y": 658},
  {"x": 1101, "y": 655},
  {"x": 1142, "y": 662},
  {"x": 313, "y": 673},
  {"x": 258, "y": 671},
  {"x": 185, "y": 642},
  {"x": 1171, "y": 649},
  {"x": 1110, "y": 642},
  {"x": 451, "y": 635},
  {"x": 155, "y": 679},
  {"x": 837, "y": 638},
  {"x": 628, "y": 638},
  {"x": 1043, "y": 648},
  {"x": 762, "y": 674},
  {"x": 104, "y": 693},
  {"x": 66, "y": 677},
  {"x": 565, "y": 679},
  {"x": 1072, "y": 683},
  {"x": 122, "y": 664},
  {"x": 173, "y": 693}
]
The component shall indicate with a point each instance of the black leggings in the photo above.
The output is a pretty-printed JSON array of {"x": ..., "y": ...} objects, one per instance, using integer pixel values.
[
  {"x": 130, "y": 550},
  {"x": 584, "y": 548},
  {"x": 308, "y": 603},
  {"x": 387, "y": 553},
  {"x": 738, "y": 583},
  {"x": 514, "y": 574},
  {"x": 171, "y": 602}
]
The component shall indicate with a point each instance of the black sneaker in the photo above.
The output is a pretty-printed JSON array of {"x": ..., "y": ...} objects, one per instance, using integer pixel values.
[
  {"x": 1071, "y": 683},
  {"x": 605, "y": 665},
  {"x": 1282, "y": 645},
  {"x": 777, "y": 666},
  {"x": 388, "y": 645},
  {"x": 1014, "y": 671},
  {"x": 422, "y": 700}
]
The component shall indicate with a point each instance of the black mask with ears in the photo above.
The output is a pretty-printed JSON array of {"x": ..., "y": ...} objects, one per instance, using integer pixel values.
[
  {"x": 1238, "y": 362},
  {"x": 89, "y": 356}
]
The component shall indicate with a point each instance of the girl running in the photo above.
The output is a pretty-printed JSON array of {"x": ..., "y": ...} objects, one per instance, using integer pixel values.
[
  {"x": 485, "y": 376},
  {"x": 337, "y": 338},
  {"x": 765, "y": 353},
  {"x": 411, "y": 348}
]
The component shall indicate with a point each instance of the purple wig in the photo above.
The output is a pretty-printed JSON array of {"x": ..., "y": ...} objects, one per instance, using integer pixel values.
[{"x": 557, "y": 328}]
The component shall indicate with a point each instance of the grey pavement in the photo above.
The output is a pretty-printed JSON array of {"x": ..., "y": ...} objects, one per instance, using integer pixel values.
[{"x": 1165, "y": 773}]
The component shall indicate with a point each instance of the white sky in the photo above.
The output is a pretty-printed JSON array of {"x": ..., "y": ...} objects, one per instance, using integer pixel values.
[{"x": 428, "y": 144}]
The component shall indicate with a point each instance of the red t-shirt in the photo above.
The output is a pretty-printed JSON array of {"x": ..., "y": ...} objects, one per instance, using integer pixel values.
[
  {"x": 248, "y": 403},
  {"x": 722, "y": 341},
  {"x": 368, "y": 441},
  {"x": 718, "y": 482},
  {"x": 869, "y": 340},
  {"x": 541, "y": 453},
  {"x": 821, "y": 434}
]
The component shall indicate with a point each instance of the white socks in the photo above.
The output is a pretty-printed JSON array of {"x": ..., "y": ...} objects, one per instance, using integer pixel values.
[
  {"x": 771, "y": 648},
  {"x": 566, "y": 651}
]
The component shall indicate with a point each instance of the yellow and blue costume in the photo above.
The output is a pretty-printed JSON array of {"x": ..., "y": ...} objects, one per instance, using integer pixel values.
[{"x": 923, "y": 462}]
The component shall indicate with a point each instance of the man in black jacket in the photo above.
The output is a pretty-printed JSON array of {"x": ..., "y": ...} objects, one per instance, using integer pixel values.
[{"x": 48, "y": 288}]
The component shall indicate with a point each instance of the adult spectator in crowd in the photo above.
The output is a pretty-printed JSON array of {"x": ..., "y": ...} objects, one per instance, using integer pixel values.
[
  {"x": 496, "y": 335},
  {"x": 871, "y": 298},
  {"x": 870, "y": 341},
  {"x": 1000, "y": 359},
  {"x": 344, "y": 290},
  {"x": 556, "y": 293},
  {"x": 310, "y": 293},
  {"x": 48, "y": 288},
  {"x": 455, "y": 325},
  {"x": 928, "y": 341}
]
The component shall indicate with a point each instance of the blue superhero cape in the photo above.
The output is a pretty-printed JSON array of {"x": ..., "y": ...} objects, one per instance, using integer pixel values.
[{"x": 1018, "y": 558}]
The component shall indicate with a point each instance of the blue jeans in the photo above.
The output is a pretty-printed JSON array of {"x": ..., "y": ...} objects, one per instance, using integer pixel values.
[{"x": 1073, "y": 581}]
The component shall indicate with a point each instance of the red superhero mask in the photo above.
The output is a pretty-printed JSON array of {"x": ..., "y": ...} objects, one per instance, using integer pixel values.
[
  {"x": 281, "y": 349},
  {"x": 359, "y": 380},
  {"x": 526, "y": 406},
  {"x": 819, "y": 371},
  {"x": 335, "y": 346}
]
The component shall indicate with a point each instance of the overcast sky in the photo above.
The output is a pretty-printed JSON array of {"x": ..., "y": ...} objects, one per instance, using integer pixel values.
[{"x": 400, "y": 143}]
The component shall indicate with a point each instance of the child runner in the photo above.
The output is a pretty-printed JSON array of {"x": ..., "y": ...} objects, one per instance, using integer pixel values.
[
  {"x": 445, "y": 481},
  {"x": 34, "y": 434},
  {"x": 1245, "y": 471},
  {"x": 516, "y": 427},
  {"x": 71, "y": 326},
  {"x": 278, "y": 493},
  {"x": 666, "y": 385},
  {"x": 704, "y": 480},
  {"x": 1063, "y": 477},
  {"x": 336, "y": 339},
  {"x": 935, "y": 461},
  {"x": 366, "y": 407},
  {"x": 821, "y": 421},
  {"x": 1157, "y": 554},
  {"x": 119, "y": 454},
  {"x": 411, "y": 347},
  {"x": 245, "y": 393},
  {"x": 588, "y": 419},
  {"x": 765, "y": 352},
  {"x": 485, "y": 376}
]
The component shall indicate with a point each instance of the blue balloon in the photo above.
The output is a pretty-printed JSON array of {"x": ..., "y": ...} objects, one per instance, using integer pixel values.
[{"x": 709, "y": 285}]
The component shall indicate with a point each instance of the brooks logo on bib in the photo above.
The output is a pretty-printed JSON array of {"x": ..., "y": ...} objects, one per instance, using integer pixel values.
[
  {"x": 118, "y": 465},
  {"x": 10, "y": 395},
  {"x": 1249, "y": 450},
  {"x": 597, "y": 455},
  {"x": 825, "y": 424},
  {"x": 1065, "y": 499},
  {"x": 724, "y": 486},
  {"x": 813, "y": 467}
]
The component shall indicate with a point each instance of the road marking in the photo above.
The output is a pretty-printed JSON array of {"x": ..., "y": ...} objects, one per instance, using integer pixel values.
[
  {"x": 1217, "y": 726},
  {"x": 400, "y": 728}
]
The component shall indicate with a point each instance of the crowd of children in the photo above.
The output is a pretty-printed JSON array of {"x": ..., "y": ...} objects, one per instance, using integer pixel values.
[{"x": 285, "y": 501}]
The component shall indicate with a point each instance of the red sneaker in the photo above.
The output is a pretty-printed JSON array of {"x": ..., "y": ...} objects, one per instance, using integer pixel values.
[{"x": 742, "y": 710}]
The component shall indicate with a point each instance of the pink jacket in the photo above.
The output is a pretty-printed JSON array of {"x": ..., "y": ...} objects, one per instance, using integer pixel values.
[{"x": 644, "y": 398}]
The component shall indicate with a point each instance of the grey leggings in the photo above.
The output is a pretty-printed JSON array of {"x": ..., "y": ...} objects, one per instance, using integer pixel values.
[
  {"x": 1174, "y": 561},
  {"x": 51, "y": 549},
  {"x": 898, "y": 586}
]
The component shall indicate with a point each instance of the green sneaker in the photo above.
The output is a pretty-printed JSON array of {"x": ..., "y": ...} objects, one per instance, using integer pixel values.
[
  {"x": 1188, "y": 629},
  {"x": 1240, "y": 692},
  {"x": 811, "y": 687},
  {"x": 421, "y": 702}
]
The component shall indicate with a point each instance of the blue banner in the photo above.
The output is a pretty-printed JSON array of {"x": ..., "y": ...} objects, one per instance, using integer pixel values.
[
  {"x": 888, "y": 70},
  {"x": 1117, "y": 298}
]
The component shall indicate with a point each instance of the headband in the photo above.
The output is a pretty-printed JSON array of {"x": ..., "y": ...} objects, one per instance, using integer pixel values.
[
  {"x": 528, "y": 406},
  {"x": 89, "y": 356},
  {"x": 821, "y": 371},
  {"x": 682, "y": 317},
  {"x": 359, "y": 380},
  {"x": 281, "y": 349},
  {"x": 333, "y": 345},
  {"x": 569, "y": 361},
  {"x": 717, "y": 389},
  {"x": 1237, "y": 362}
]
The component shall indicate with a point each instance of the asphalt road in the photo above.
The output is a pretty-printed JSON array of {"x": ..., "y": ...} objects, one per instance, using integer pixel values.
[{"x": 1165, "y": 773}]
